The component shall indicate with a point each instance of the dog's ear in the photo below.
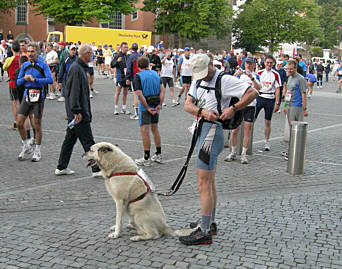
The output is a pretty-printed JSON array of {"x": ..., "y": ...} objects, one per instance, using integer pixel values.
[
  {"x": 116, "y": 145},
  {"x": 105, "y": 149}
]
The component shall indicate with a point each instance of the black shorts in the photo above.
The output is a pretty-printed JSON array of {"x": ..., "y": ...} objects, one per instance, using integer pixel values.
[
  {"x": 13, "y": 94},
  {"x": 100, "y": 61},
  {"x": 146, "y": 118},
  {"x": 249, "y": 113},
  {"x": 186, "y": 79},
  {"x": 90, "y": 70},
  {"x": 52, "y": 68},
  {"x": 267, "y": 105},
  {"x": 26, "y": 107},
  {"x": 122, "y": 84},
  {"x": 167, "y": 81}
]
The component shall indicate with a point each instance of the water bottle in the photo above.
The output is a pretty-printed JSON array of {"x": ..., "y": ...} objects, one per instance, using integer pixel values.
[{"x": 72, "y": 124}]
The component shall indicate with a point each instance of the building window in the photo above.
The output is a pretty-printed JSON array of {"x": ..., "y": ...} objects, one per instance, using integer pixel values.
[
  {"x": 115, "y": 21},
  {"x": 21, "y": 12},
  {"x": 134, "y": 16}
]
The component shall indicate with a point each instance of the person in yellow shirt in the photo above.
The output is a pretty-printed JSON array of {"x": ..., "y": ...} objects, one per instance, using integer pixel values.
[{"x": 107, "y": 53}]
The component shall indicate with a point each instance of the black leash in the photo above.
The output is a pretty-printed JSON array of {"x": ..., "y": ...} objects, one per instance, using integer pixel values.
[{"x": 179, "y": 180}]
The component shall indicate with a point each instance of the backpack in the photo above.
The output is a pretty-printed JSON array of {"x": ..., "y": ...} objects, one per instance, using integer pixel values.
[
  {"x": 236, "y": 120},
  {"x": 135, "y": 67}
]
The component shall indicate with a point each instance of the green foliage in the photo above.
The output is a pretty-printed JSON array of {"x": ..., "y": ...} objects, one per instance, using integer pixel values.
[
  {"x": 271, "y": 22},
  {"x": 330, "y": 19},
  {"x": 193, "y": 19},
  {"x": 317, "y": 52},
  {"x": 7, "y": 5},
  {"x": 74, "y": 12}
]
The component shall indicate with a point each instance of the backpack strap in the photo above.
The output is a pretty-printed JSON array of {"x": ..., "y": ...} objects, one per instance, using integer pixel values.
[
  {"x": 37, "y": 67},
  {"x": 218, "y": 92}
]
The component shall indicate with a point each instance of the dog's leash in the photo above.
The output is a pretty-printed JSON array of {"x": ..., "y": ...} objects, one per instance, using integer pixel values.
[{"x": 179, "y": 180}]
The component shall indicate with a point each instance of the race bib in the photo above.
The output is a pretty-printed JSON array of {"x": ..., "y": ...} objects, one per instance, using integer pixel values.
[
  {"x": 266, "y": 86},
  {"x": 288, "y": 97},
  {"x": 33, "y": 95},
  {"x": 340, "y": 72}
]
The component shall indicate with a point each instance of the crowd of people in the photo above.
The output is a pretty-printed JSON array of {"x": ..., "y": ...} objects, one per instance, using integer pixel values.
[{"x": 39, "y": 71}]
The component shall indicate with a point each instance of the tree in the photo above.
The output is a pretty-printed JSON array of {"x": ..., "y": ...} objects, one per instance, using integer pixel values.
[
  {"x": 193, "y": 19},
  {"x": 271, "y": 22},
  {"x": 330, "y": 19},
  {"x": 7, "y": 5},
  {"x": 74, "y": 12}
]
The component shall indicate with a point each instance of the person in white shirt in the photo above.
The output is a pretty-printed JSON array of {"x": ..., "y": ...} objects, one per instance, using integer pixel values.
[
  {"x": 185, "y": 72},
  {"x": 269, "y": 98},
  {"x": 52, "y": 60},
  {"x": 167, "y": 74}
]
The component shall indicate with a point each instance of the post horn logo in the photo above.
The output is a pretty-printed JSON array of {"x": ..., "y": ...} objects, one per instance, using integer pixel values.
[{"x": 144, "y": 36}]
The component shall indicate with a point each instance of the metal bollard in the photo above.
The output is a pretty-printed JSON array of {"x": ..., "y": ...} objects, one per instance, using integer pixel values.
[
  {"x": 239, "y": 145},
  {"x": 297, "y": 148}
]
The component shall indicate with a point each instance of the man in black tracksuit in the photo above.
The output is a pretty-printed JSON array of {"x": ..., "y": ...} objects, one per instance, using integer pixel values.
[{"x": 77, "y": 105}]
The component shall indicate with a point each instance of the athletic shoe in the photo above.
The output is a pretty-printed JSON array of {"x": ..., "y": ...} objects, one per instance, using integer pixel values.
[
  {"x": 32, "y": 141},
  {"x": 134, "y": 117},
  {"x": 197, "y": 237},
  {"x": 157, "y": 158},
  {"x": 66, "y": 171},
  {"x": 36, "y": 156},
  {"x": 164, "y": 104},
  {"x": 244, "y": 159},
  {"x": 126, "y": 112},
  {"x": 61, "y": 99},
  {"x": 25, "y": 153},
  {"x": 91, "y": 95},
  {"x": 97, "y": 174},
  {"x": 51, "y": 96},
  {"x": 174, "y": 102},
  {"x": 13, "y": 127},
  {"x": 143, "y": 162},
  {"x": 95, "y": 91},
  {"x": 213, "y": 227},
  {"x": 58, "y": 93},
  {"x": 267, "y": 146},
  {"x": 230, "y": 157},
  {"x": 116, "y": 112}
]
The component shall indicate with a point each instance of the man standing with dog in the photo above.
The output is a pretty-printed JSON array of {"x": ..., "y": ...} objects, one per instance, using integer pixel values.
[
  {"x": 211, "y": 140},
  {"x": 150, "y": 92},
  {"x": 77, "y": 105}
]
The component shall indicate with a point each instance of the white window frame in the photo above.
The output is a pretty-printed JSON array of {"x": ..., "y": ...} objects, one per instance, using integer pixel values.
[
  {"x": 133, "y": 15},
  {"x": 16, "y": 14}
]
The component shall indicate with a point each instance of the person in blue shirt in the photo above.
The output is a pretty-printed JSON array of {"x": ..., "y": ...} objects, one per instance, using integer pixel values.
[
  {"x": 310, "y": 82},
  {"x": 150, "y": 92},
  {"x": 339, "y": 77},
  {"x": 34, "y": 75},
  {"x": 302, "y": 64}
]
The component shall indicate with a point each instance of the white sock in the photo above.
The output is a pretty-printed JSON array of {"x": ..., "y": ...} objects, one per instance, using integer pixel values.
[
  {"x": 38, "y": 148},
  {"x": 233, "y": 149},
  {"x": 116, "y": 107},
  {"x": 124, "y": 107},
  {"x": 244, "y": 151}
]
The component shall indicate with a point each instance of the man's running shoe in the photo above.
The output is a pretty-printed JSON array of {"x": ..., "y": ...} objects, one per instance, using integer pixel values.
[
  {"x": 36, "y": 156},
  {"x": 66, "y": 171},
  {"x": 197, "y": 237},
  {"x": 143, "y": 162},
  {"x": 25, "y": 153},
  {"x": 244, "y": 159},
  {"x": 213, "y": 227},
  {"x": 157, "y": 158},
  {"x": 126, "y": 112},
  {"x": 116, "y": 112},
  {"x": 231, "y": 157},
  {"x": 267, "y": 146},
  {"x": 134, "y": 117}
]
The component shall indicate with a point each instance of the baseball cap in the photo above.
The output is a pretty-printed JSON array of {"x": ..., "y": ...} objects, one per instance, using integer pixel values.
[
  {"x": 105, "y": 46},
  {"x": 150, "y": 49},
  {"x": 186, "y": 48},
  {"x": 72, "y": 47},
  {"x": 250, "y": 60},
  {"x": 55, "y": 44},
  {"x": 279, "y": 62},
  {"x": 199, "y": 64},
  {"x": 180, "y": 49},
  {"x": 62, "y": 43},
  {"x": 135, "y": 46}
]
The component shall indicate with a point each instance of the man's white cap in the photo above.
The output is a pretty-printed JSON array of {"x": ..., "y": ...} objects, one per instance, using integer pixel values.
[
  {"x": 72, "y": 47},
  {"x": 180, "y": 50},
  {"x": 150, "y": 49},
  {"x": 279, "y": 61},
  {"x": 199, "y": 63}
]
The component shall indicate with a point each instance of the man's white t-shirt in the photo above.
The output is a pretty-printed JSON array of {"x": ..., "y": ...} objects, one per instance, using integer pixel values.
[
  {"x": 269, "y": 80},
  {"x": 186, "y": 69},
  {"x": 167, "y": 69},
  {"x": 248, "y": 80},
  {"x": 230, "y": 87},
  {"x": 51, "y": 56}
]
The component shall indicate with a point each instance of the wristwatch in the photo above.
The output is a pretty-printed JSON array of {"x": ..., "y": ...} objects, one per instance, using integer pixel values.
[
  {"x": 234, "y": 108},
  {"x": 253, "y": 78},
  {"x": 304, "y": 108}
]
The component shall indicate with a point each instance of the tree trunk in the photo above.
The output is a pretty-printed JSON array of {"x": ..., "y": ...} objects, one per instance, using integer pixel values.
[{"x": 180, "y": 41}]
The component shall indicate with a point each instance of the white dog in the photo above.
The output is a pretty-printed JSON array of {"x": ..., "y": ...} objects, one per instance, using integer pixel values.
[{"x": 131, "y": 194}]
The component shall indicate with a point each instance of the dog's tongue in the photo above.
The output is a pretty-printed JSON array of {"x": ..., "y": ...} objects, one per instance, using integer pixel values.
[{"x": 90, "y": 162}]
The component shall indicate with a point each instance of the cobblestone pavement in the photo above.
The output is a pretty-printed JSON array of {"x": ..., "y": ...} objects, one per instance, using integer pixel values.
[{"x": 266, "y": 218}]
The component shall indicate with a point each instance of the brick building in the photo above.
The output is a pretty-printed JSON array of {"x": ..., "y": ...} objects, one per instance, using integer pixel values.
[{"x": 23, "y": 22}]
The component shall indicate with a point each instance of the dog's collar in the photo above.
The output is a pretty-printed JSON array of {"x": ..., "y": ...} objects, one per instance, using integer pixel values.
[{"x": 133, "y": 174}]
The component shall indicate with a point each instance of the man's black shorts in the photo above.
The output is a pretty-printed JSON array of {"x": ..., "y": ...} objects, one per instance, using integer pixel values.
[
  {"x": 122, "y": 84},
  {"x": 13, "y": 94},
  {"x": 26, "y": 107},
  {"x": 146, "y": 118},
  {"x": 249, "y": 113},
  {"x": 90, "y": 70},
  {"x": 186, "y": 79}
]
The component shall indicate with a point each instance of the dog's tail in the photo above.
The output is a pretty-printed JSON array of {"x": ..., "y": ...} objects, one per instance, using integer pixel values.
[{"x": 176, "y": 233}]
